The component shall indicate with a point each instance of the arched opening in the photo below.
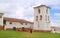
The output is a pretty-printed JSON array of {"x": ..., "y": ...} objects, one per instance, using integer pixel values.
[{"x": 23, "y": 28}]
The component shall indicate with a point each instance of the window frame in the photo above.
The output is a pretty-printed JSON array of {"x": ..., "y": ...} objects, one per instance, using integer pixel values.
[
  {"x": 21, "y": 23},
  {"x": 10, "y": 22},
  {"x": 47, "y": 10},
  {"x": 25, "y": 23},
  {"x": 48, "y": 18},
  {"x": 39, "y": 11},
  {"x": 36, "y": 18},
  {"x": 40, "y": 17}
]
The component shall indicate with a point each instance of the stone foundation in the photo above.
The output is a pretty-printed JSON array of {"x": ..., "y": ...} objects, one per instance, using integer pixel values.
[
  {"x": 42, "y": 30},
  {"x": 9, "y": 29},
  {"x": 24, "y": 30},
  {"x": 20, "y": 29}
]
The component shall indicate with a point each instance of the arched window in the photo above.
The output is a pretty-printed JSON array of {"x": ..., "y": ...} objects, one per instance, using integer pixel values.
[
  {"x": 48, "y": 18},
  {"x": 36, "y": 18},
  {"x": 47, "y": 10},
  {"x": 10, "y": 22},
  {"x": 40, "y": 17},
  {"x": 54, "y": 30},
  {"x": 21, "y": 23},
  {"x": 39, "y": 10},
  {"x": 25, "y": 23}
]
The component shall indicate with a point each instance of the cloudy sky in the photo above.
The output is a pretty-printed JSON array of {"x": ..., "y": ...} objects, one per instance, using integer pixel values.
[{"x": 23, "y": 9}]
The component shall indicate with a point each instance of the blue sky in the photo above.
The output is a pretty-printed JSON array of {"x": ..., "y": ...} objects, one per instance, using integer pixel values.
[{"x": 23, "y": 9}]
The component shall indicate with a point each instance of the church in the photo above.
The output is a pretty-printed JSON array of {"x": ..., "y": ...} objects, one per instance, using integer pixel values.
[{"x": 41, "y": 21}]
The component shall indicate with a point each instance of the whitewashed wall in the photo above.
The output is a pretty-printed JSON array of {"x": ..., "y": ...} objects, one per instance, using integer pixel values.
[
  {"x": 43, "y": 25},
  {"x": 17, "y": 25},
  {"x": 1, "y": 20},
  {"x": 55, "y": 30}
]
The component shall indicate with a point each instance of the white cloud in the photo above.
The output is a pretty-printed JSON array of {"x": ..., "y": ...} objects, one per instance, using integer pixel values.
[
  {"x": 31, "y": 19},
  {"x": 57, "y": 14},
  {"x": 19, "y": 12},
  {"x": 3, "y": 6},
  {"x": 29, "y": 14},
  {"x": 55, "y": 23},
  {"x": 24, "y": 8},
  {"x": 16, "y": 13}
]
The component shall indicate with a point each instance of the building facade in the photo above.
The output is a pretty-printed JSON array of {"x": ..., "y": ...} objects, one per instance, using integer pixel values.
[
  {"x": 1, "y": 21},
  {"x": 55, "y": 29},
  {"x": 42, "y": 18},
  {"x": 10, "y": 23}
]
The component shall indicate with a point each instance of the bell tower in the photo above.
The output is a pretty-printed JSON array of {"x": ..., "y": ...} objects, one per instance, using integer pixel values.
[{"x": 42, "y": 18}]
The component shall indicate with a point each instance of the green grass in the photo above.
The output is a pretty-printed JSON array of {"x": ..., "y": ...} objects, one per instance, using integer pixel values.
[{"x": 17, "y": 34}]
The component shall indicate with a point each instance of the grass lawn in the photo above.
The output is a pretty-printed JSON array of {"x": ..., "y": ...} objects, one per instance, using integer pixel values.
[{"x": 17, "y": 34}]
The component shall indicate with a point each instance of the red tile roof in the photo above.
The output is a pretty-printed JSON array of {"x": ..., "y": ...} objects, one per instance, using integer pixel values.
[{"x": 17, "y": 20}]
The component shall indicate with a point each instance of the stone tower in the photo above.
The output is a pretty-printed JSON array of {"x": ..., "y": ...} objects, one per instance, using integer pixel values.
[
  {"x": 42, "y": 18},
  {"x": 1, "y": 21}
]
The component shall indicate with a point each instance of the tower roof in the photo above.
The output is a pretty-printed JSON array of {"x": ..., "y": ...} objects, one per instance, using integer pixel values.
[
  {"x": 1, "y": 13},
  {"x": 41, "y": 6}
]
